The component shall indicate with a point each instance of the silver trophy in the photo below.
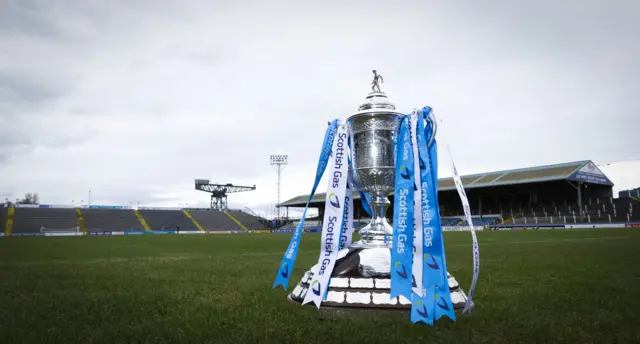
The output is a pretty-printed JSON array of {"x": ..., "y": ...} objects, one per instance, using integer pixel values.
[
  {"x": 361, "y": 276},
  {"x": 374, "y": 129}
]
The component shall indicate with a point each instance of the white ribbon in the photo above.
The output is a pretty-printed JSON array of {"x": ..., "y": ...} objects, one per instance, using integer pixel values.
[
  {"x": 333, "y": 218},
  {"x": 476, "y": 249},
  {"x": 347, "y": 226},
  {"x": 416, "y": 268},
  {"x": 467, "y": 212}
]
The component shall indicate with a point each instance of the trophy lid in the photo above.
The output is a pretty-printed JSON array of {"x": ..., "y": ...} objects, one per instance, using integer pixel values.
[{"x": 377, "y": 101}]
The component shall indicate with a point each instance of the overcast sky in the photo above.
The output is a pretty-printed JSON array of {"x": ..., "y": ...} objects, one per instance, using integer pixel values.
[{"x": 135, "y": 99}]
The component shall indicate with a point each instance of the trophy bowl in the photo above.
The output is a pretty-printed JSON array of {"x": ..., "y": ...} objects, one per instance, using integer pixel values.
[{"x": 374, "y": 130}]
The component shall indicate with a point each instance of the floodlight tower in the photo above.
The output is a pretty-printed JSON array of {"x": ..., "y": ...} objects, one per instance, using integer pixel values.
[{"x": 279, "y": 161}]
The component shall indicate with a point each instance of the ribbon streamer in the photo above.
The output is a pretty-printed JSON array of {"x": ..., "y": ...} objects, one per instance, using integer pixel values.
[
  {"x": 333, "y": 219},
  {"x": 289, "y": 259},
  {"x": 403, "y": 209},
  {"x": 476, "y": 248}
]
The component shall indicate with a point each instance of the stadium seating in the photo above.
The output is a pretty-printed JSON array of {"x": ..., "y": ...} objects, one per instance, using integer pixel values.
[
  {"x": 635, "y": 193},
  {"x": 594, "y": 210},
  {"x": 311, "y": 224},
  {"x": 537, "y": 220},
  {"x": 111, "y": 220},
  {"x": 214, "y": 220},
  {"x": 485, "y": 220},
  {"x": 624, "y": 207},
  {"x": 3, "y": 218},
  {"x": 450, "y": 221},
  {"x": 446, "y": 221},
  {"x": 34, "y": 220},
  {"x": 159, "y": 220},
  {"x": 46, "y": 219},
  {"x": 248, "y": 220}
]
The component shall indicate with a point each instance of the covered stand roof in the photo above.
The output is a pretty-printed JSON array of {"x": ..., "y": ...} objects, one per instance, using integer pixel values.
[{"x": 579, "y": 171}]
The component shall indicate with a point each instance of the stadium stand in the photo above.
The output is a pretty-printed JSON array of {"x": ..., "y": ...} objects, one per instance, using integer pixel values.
[
  {"x": 111, "y": 220},
  {"x": 3, "y": 218},
  {"x": 568, "y": 193},
  {"x": 596, "y": 210},
  {"x": 34, "y": 220},
  {"x": 451, "y": 221},
  {"x": 546, "y": 194},
  {"x": 212, "y": 220},
  {"x": 248, "y": 220},
  {"x": 313, "y": 224},
  {"x": 45, "y": 219},
  {"x": 159, "y": 220},
  {"x": 634, "y": 194}
]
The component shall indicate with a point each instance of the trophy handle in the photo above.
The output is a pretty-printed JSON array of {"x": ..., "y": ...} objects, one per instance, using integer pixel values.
[{"x": 432, "y": 120}]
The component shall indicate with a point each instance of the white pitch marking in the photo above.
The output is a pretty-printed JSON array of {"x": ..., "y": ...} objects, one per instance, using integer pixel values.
[
  {"x": 143, "y": 259},
  {"x": 548, "y": 241}
]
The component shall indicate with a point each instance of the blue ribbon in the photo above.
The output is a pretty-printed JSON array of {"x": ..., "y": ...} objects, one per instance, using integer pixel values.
[
  {"x": 443, "y": 303},
  {"x": 437, "y": 297},
  {"x": 289, "y": 259},
  {"x": 423, "y": 306},
  {"x": 365, "y": 199},
  {"x": 402, "y": 241}
]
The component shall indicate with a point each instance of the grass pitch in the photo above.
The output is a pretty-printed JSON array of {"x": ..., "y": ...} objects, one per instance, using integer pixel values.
[{"x": 546, "y": 286}]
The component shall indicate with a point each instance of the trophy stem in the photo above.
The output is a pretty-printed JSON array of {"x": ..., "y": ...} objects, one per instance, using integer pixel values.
[{"x": 378, "y": 232}]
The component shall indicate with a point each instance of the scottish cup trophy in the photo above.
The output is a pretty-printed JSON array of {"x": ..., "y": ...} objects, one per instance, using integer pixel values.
[{"x": 361, "y": 276}]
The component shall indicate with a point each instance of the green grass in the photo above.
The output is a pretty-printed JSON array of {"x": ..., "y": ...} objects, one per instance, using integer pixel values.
[{"x": 557, "y": 286}]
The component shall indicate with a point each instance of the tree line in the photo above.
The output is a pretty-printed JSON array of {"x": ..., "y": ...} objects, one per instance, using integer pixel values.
[{"x": 29, "y": 198}]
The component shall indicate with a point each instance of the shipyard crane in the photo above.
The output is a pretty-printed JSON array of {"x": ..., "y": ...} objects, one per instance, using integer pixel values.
[{"x": 219, "y": 192}]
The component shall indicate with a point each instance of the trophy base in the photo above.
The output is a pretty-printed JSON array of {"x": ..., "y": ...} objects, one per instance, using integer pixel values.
[{"x": 361, "y": 279}]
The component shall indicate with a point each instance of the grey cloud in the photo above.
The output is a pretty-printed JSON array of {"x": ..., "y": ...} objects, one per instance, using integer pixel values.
[
  {"x": 556, "y": 24},
  {"x": 12, "y": 143},
  {"x": 26, "y": 17},
  {"x": 20, "y": 88},
  {"x": 67, "y": 21},
  {"x": 208, "y": 55},
  {"x": 35, "y": 72},
  {"x": 6, "y": 194},
  {"x": 580, "y": 101},
  {"x": 130, "y": 196},
  {"x": 20, "y": 135},
  {"x": 143, "y": 96}
]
